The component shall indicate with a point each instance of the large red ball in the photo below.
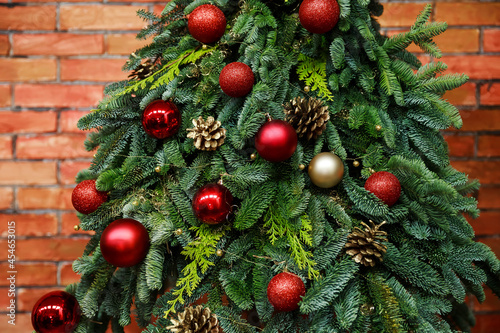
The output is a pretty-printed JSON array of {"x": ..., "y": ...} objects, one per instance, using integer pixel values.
[
  {"x": 161, "y": 119},
  {"x": 285, "y": 291},
  {"x": 212, "y": 203},
  {"x": 385, "y": 186},
  {"x": 207, "y": 23},
  {"x": 276, "y": 141},
  {"x": 124, "y": 243},
  {"x": 319, "y": 16},
  {"x": 86, "y": 198},
  {"x": 56, "y": 312},
  {"x": 236, "y": 79}
]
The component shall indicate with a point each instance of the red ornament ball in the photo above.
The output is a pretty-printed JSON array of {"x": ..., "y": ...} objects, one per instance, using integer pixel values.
[
  {"x": 56, "y": 312},
  {"x": 161, "y": 119},
  {"x": 285, "y": 291},
  {"x": 207, "y": 23},
  {"x": 124, "y": 243},
  {"x": 276, "y": 141},
  {"x": 236, "y": 79},
  {"x": 385, "y": 186},
  {"x": 86, "y": 198},
  {"x": 212, "y": 203},
  {"x": 319, "y": 16}
]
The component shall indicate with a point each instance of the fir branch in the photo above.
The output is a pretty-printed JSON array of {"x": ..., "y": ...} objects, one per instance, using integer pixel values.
[{"x": 313, "y": 72}]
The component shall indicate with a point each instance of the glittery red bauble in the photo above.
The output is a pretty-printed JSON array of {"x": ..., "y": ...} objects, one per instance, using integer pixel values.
[
  {"x": 276, "y": 141},
  {"x": 319, "y": 16},
  {"x": 56, "y": 312},
  {"x": 86, "y": 198},
  {"x": 236, "y": 79},
  {"x": 385, "y": 186},
  {"x": 124, "y": 243},
  {"x": 285, "y": 291},
  {"x": 212, "y": 203},
  {"x": 207, "y": 24},
  {"x": 161, "y": 119}
]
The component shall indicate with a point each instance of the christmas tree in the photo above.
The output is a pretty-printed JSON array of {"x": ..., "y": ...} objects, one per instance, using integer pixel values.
[{"x": 275, "y": 166}]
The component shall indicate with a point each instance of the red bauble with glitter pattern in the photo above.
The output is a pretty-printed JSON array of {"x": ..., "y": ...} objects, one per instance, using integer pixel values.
[
  {"x": 56, "y": 312},
  {"x": 385, "y": 186},
  {"x": 276, "y": 141},
  {"x": 212, "y": 203},
  {"x": 285, "y": 291},
  {"x": 236, "y": 79},
  {"x": 161, "y": 119},
  {"x": 86, "y": 198},
  {"x": 124, "y": 243},
  {"x": 319, "y": 16},
  {"x": 207, "y": 23}
]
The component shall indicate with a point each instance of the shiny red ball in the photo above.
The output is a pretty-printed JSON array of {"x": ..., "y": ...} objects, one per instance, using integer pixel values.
[
  {"x": 319, "y": 16},
  {"x": 207, "y": 23},
  {"x": 161, "y": 119},
  {"x": 385, "y": 186},
  {"x": 124, "y": 243},
  {"x": 236, "y": 79},
  {"x": 285, "y": 291},
  {"x": 276, "y": 141},
  {"x": 212, "y": 203},
  {"x": 86, "y": 198},
  {"x": 56, "y": 312}
]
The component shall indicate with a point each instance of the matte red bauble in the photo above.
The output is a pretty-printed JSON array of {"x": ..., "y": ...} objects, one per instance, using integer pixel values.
[
  {"x": 285, "y": 291},
  {"x": 86, "y": 198},
  {"x": 276, "y": 141},
  {"x": 161, "y": 119},
  {"x": 124, "y": 243},
  {"x": 319, "y": 16},
  {"x": 207, "y": 23},
  {"x": 56, "y": 312},
  {"x": 212, "y": 203},
  {"x": 385, "y": 186},
  {"x": 236, "y": 79}
]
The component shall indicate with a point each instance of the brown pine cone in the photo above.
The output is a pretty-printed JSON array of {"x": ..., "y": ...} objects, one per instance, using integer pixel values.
[
  {"x": 308, "y": 116},
  {"x": 365, "y": 245},
  {"x": 207, "y": 135},
  {"x": 195, "y": 320}
]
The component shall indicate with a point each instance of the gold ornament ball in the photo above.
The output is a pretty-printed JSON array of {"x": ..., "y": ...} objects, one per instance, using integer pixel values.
[
  {"x": 378, "y": 128},
  {"x": 356, "y": 164},
  {"x": 135, "y": 203},
  {"x": 302, "y": 166},
  {"x": 220, "y": 253},
  {"x": 367, "y": 309},
  {"x": 326, "y": 170},
  {"x": 76, "y": 227},
  {"x": 253, "y": 156},
  {"x": 205, "y": 47},
  {"x": 178, "y": 232},
  {"x": 307, "y": 89},
  {"x": 158, "y": 169}
]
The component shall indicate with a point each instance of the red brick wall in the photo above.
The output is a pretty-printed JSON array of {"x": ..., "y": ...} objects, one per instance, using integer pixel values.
[{"x": 56, "y": 57}]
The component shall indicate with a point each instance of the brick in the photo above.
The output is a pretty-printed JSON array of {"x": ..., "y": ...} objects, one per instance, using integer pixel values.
[
  {"x": 481, "y": 120},
  {"x": 69, "y": 220},
  {"x": 488, "y": 223},
  {"x": 490, "y": 94},
  {"x": 123, "y": 43},
  {"x": 23, "y": 323},
  {"x": 28, "y": 173},
  {"x": 17, "y": 69},
  {"x": 57, "y": 95},
  {"x": 474, "y": 66},
  {"x": 400, "y": 14},
  {"x": 488, "y": 146},
  {"x": 5, "y": 94},
  {"x": 467, "y": 13},
  {"x": 67, "y": 274},
  {"x": 101, "y": 17},
  {"x": 4, "y": 298},
  {"x": 6, "y": 147},
  {"x": 6, "y": 197},
  {"x": 28, "y": 18},
  {"x": 491, "y": 40},
  {"x": 492, "y": 302},
  {"x": 27, "y": 297},
  {"x": 4, "y": 45},
  {"x": 29, "y": 274},
  {"x": 460, "y": 145},
  {"x": 28, "y": 122},
  {"x": 488, "y": 172},
  {"x": 44, "y": 198},
  {"x": 55, "y": 249},
  {"x": 486, "y": 323},
  {"x": 30, "y": 224},
  {"x": 69, "y": 169},
  {"x": 464, "y": 95},
  {"x": 60, "y": 146},
  {"x": 69, "y": 119},
  {"x": 60, "y": 44},
  {"x": 92, "y": 70},
  {"x": 489, "y": 197}
]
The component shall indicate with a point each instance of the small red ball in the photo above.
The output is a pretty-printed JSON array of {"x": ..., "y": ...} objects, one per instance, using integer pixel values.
[
  {"x": 212, "y": 203},
  {"x": 86, "y": 198},
  {"x": 236, "y": 79},
  {"x": 161, "y": 119},
  {"x": 207, "y": 23},
  {"x": 285, "y": 291},
  {"x": 56, "y": 312},
  {"x": 385, "y": 186},
  {"x": 124, "y": 243},
  {"x": 276, "y": 141},
  {"x": 319, "y": 16}
]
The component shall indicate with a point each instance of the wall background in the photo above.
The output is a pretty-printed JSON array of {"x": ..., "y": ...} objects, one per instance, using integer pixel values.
[{"x": 56, "y": 57}]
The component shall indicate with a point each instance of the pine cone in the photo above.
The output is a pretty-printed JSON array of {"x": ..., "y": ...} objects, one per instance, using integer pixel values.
[
  {"x": 207, "y": 135},
  {"x": 307, "y": 116},
  {"x": 195, "y": 320},
  {"x": 364, "y": 245},
  {"x": 143, "y": 71}
]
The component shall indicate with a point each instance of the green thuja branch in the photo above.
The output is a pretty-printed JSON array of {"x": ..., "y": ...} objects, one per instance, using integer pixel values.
[{"x": 313, "y": 73}]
